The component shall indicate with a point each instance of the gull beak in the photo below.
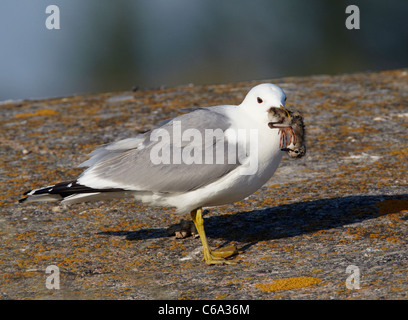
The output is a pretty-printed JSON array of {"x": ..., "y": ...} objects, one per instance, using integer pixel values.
[{"x": 287, "y": 112}]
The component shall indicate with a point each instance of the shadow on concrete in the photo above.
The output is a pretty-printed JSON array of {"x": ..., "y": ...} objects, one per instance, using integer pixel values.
[{"x": 287, "y": 220}]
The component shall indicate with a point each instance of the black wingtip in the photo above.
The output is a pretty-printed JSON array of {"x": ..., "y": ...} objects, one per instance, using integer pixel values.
[
  {"x": 22, "y": 199},
  {"x": 25, "y": 198},
  {"x": 63, "y": 190}
]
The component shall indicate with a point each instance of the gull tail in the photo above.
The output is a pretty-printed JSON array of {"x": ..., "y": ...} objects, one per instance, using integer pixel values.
[{"x": 72, "y": 192}]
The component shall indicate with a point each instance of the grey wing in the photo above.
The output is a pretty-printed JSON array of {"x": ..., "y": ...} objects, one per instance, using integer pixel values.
[{"x": 169, "y": 164}]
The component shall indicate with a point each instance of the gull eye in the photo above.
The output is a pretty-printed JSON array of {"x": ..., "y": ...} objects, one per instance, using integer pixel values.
[{"x": 259, "y": 100}]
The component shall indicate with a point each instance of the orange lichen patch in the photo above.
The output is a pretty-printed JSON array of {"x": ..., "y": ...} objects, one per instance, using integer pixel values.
[
  {"x": 392, "y": 239},
  {"x": 344, "y": 129},
  {"x": 317, "y": 271},
  {"x": 288, "y": 284},
  {"x": 123, "y": 225},
  {"x": 42, "y": 112},
  {"x": 25, "y": 235},
  {"x": 17, "y": 275},
  {"x": 392, "y": 206},
  {"x": 177, "y": 245},
  {"x": 399, "y": 153}
]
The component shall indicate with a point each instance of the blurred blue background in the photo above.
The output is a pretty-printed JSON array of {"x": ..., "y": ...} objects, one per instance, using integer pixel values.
[{"x": 120, "y": 44}]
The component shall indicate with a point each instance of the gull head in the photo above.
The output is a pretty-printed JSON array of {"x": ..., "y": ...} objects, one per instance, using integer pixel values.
[{"x": 261, "y": 98}]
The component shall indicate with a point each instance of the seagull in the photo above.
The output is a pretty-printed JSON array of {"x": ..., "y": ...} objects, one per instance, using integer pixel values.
[{"x": 210, "y": 156}]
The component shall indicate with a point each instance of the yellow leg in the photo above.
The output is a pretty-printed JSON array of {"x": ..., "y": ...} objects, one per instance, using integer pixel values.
[{"x": 216, "y": 256}]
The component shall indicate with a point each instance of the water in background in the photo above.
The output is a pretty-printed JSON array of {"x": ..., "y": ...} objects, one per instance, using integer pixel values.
[{"x": 117, "y": 45}]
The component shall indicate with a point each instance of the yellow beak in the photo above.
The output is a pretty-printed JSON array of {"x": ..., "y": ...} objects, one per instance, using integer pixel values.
[{"x": 287, "y": 112}]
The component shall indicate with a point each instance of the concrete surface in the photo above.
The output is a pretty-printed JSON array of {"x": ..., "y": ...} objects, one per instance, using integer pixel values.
[{"x": 344, "y": 204}]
